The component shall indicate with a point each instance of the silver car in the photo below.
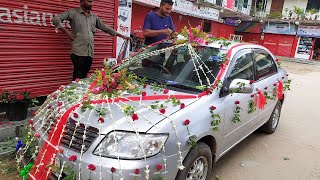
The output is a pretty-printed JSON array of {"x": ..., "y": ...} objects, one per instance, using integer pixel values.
[{"x": 195, "y": 105}]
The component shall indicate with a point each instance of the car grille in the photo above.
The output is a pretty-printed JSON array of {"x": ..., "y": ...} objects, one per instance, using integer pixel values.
[{"x": 91, "y": 135}]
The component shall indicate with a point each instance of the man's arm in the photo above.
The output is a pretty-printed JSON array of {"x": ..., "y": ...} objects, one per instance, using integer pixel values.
[
  {"x": 100, "y": 25},
  {"x": 57, "y": 22},
  {"x": 147, "y": 28}
]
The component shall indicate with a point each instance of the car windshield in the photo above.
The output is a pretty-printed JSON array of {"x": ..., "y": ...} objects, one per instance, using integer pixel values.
[{"x": 176, "y": 66}]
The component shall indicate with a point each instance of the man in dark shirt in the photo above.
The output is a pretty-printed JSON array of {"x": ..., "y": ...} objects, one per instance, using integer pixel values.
[
  {"x": 158, "y": 25},
  {"x": 83, "y": 25}
]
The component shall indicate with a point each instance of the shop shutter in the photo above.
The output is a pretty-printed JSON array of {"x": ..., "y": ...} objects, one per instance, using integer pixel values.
[
  {"x": 279, "y": 44},
  {"x": 32, "y": 55}
]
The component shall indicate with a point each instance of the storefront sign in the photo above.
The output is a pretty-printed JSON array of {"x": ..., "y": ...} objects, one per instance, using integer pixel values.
[
  {"x": 124, "y": 22},
  {"x": 233, "y": 21},
  {"x": 249, "y": 26},
  {"x": 309, "y": 31},
  {"x": 285, "y": 28},
  {"x": 188, "y": 8}
]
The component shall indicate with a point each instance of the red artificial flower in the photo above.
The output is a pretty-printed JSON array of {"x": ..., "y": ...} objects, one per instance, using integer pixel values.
[
  {"x": 77, "y": 80},
  {"x": 73, "y": 158},
  {"x": 61, "y": 88},
  {"x": 182, "y": 106},
  {"x": 33, "y": 129},
  {"x": 19, "y": 97},
  {"x": 166, "y": 91},
  {"x": 30, "y": 121},
  {"x": 135, "y": 117},
  {"x": 54, "y": 96},
  {"x": 266, "y": 88},
  {"x": 59, "y": 103},
  {"x": 113, "y": 169},
  {"x": 91, "y": 167},
  {"x": 114, "y": 84},
  {"x": 162, "y": 111},
  {"x": 252, "y": 95},
  {"x": 237, "y": 102},
  {"x": 207, "y": 42},
  {"x": 37, "y": 135},
  {"x": 144, "y": 86},
  {"x": 275, "y": 84},
  {"x": 143, "y": 93},
  {"x": 110, "y": 90},
  {"x": 251, "y": 81},
  {"x": 159, "y": 167},
  {"x": 136, "y": 171},
  {"x": 60, "y": 150},
  {"x": 75, "y": 115},
  {"x": 101, "y": 120},
  {"x": 212, "y": 108},
  {"x": 49, "y": 107},
  {"x": 116, "y": 76},
  {"x": 186, "y": 122},
  {"x": 33, "y": 113}
]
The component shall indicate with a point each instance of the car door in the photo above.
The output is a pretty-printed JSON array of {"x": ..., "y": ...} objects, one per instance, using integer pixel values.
[
  {"x": 266, "y": 81},
  {"x": 241, "y": 67}
]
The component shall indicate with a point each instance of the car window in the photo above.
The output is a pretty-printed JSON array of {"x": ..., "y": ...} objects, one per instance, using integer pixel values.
[
  {"x": 265, "y": 64},
  {"x": 243, "y": 68}
]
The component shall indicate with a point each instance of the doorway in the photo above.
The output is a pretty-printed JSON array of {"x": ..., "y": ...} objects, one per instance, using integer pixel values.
[
  {"x": 316, "y": 51},
  {"x": 277, "y": 6}
]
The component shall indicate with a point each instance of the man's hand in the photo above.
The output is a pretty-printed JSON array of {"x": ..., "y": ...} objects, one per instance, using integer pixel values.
[
  {"x": 125, "y": 37},
  {"x": 167, "y": 32},
  {"x": 71, "y": 36}
]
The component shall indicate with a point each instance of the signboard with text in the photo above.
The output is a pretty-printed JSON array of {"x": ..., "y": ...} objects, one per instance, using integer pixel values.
[
  {"x": 277, "y": 28},
  {"x": 309, "y": 31}
]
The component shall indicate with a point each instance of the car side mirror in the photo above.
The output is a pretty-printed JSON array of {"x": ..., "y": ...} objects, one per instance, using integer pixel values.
[{"x": 241, "y": 86}]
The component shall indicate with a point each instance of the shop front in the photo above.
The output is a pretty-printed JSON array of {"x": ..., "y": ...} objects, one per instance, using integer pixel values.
[
  {"x": 250, "y": 31},
  {"x": 280, "y": 38},
  {"x": 33, "y": 54},
  {"x": 309, "y": 42}
]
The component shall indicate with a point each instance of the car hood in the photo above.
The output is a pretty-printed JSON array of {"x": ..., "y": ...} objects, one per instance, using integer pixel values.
[{"x": 147, "y": 107}]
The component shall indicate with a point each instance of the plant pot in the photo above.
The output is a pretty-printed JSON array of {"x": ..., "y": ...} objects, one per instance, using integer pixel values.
[
  {"x": 3, "y": 107},
  {"x": 17, "y": 111}
]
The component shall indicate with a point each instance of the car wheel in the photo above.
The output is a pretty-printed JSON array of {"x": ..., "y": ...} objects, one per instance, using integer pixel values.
[
  {"x": 271, "y": 126},
  {"x": 198, "y": 164}
]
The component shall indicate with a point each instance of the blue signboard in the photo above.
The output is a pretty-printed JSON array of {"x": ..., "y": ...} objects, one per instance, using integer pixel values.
[{"x": 283, "y": 28}]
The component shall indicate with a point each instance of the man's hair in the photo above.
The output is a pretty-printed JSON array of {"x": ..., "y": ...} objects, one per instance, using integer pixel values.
[{"x": 163, "y": 2}]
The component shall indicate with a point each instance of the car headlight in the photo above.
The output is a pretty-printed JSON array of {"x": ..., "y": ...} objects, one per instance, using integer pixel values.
[{"x": 129, "y": 145}]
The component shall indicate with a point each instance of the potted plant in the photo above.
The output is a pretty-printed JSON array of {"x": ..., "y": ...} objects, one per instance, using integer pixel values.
[
  {"x": 299, "y": 12},
  {"x": 3, "y": 99},
  {"x": 17, "y": 103},
  {"x": 312, "y": 12}
]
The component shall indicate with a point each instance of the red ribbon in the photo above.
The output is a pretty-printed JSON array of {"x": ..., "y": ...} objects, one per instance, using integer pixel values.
[
  {"x": 280, "y": 90},
  {"x": 261, "y": 100},
  {"x": 47, "y": 150}
]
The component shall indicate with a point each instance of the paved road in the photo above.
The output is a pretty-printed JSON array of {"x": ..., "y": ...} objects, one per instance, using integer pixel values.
[{"x": 261, "y": 157}]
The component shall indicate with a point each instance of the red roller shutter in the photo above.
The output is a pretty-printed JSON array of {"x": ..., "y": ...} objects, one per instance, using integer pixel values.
[
  {"x": 279, "y": 44},
  {"x": 254, "y": 38},
  {"x": 32, "y": 55}
]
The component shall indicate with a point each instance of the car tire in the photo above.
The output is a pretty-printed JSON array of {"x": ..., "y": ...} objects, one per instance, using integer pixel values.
[
  {"x": 197, "y": 158},
  {"x": 272, "y": 124}
]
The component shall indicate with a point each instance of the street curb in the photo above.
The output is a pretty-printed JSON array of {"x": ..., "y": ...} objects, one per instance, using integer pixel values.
[{"x": 303, "y": 61}]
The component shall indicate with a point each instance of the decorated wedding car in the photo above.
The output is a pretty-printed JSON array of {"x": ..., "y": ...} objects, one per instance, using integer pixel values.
[{"x": 169, "y": 112}]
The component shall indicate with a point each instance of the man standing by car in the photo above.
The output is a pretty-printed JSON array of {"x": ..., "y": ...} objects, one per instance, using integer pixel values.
[
  {"x": 83, "y": 24},
  {"x": 158, "y": 25}
]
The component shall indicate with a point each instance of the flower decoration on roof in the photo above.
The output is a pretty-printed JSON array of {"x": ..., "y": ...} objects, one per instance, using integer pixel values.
[{"x": 196, "y": 36}]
